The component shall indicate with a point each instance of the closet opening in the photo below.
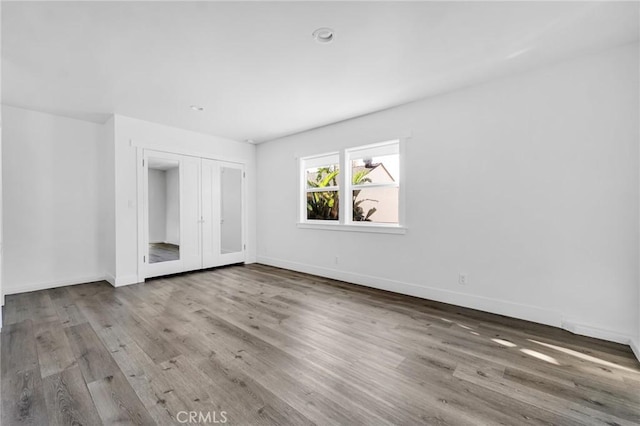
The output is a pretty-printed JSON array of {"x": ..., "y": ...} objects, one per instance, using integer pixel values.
[{"x": 191, "y": 213}]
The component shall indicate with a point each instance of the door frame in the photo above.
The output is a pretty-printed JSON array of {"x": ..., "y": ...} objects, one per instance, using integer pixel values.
[
  {"x": 142, "y": 221},
  {"x": 145, "y": 270}
]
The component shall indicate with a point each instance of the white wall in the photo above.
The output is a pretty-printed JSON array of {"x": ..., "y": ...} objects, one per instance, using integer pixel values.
[
  {"x": 51, "y": 219},
  {"x": 635, "y": 344},
  {"x": 130, "y": 133},
  {"x": 528, "y": 184},
  {"x": 1, "y": 237},
  {"x": 107, "y": 191},
  {"x": 157, "y": 206},
  {"x": 172, "y": 206}
]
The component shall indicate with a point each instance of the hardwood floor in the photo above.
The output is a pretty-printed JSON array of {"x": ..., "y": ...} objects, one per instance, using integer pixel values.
[
  {"x": 163, "y": 252},
  {"x": 260, "y": 345}
]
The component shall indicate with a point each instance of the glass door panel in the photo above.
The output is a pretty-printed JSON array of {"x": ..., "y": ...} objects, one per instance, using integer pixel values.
[
  {"x": 166, "y": 243},
  {"x": 163, "y": 204},
  {"x": 231, "y": 210}
]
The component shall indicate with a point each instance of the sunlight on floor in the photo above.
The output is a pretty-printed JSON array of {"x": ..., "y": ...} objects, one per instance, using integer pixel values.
[
  {"x": 541, "y": 356},
  {"x": 583, "y": 356},
  {"x": 505, "y": 343}
]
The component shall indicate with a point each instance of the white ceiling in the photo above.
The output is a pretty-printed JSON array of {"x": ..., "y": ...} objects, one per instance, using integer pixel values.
[{"x": 256, "y": 69}]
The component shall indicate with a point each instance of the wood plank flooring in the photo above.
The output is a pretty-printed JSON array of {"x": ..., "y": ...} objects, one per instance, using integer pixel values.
[
  {"x": 163, "y": 252},
  {"x": 255, "y": 345}
]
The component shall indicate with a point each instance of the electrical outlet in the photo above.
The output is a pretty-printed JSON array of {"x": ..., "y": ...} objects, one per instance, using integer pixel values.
[
  {"x": 336, "y": 260},
  {"x": 463, "y": 279}
]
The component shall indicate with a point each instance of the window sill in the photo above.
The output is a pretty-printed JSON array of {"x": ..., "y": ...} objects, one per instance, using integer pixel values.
[{"x": 375, "y": 229}]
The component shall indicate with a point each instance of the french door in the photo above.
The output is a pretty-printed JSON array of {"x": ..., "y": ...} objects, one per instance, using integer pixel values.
[
  {"x": 193, "y": 213},
  {"x": 223, "y": 218}
]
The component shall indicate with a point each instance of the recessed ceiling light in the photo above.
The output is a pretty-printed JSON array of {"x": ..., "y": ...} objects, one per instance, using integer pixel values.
[
  {"x": 323, "y": 35},
  {"x": 197, "y": 108},
  {"x": 249, "y": 141}
]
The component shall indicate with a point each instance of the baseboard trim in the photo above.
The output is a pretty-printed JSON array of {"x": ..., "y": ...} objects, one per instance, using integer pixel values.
[
  {"x": 495, "y": 306},
  {"x": 481, "y": 303},
  {"x": 54, "y": 284},
  {"x": 110, "y": 279},
  {"x": 124, "y": 280},
  {"x": 596, "y": 332},
  {"x": 114, "y": 281},
  {"x": 635, "y": 347}
]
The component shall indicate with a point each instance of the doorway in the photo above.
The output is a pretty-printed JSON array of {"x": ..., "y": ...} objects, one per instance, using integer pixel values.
[{"x": 193, "y": 213}]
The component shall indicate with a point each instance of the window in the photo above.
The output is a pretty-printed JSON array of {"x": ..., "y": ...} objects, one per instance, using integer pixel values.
[
  {"x": 356, "y": 188},
  {"x": 321, "y": 181},
  {"x": 375, "y": 183}
]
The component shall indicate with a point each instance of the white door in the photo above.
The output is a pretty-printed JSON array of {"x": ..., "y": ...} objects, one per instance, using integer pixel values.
[
  {"x": 232, "y": 213},
  {"x": 210, "y": 213},
  {"x": 193, "y": 215},
  {"x": 190, "y": 213},
  {"x": 223, "y": 213},
  {"x": 171, "y": 200}
]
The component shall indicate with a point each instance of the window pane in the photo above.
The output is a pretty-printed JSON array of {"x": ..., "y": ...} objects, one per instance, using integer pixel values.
[
  {"x": 378, "y": 205},
  {"x": 380, "y": 169},
  {"x": 322, "y": 205},
  {"x": 323, "y": 176}
]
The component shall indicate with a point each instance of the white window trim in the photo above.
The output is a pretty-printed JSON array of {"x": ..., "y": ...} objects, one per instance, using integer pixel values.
[
  {"x": 334, "y": 226},
  {"x": 345, "y": 223}
]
